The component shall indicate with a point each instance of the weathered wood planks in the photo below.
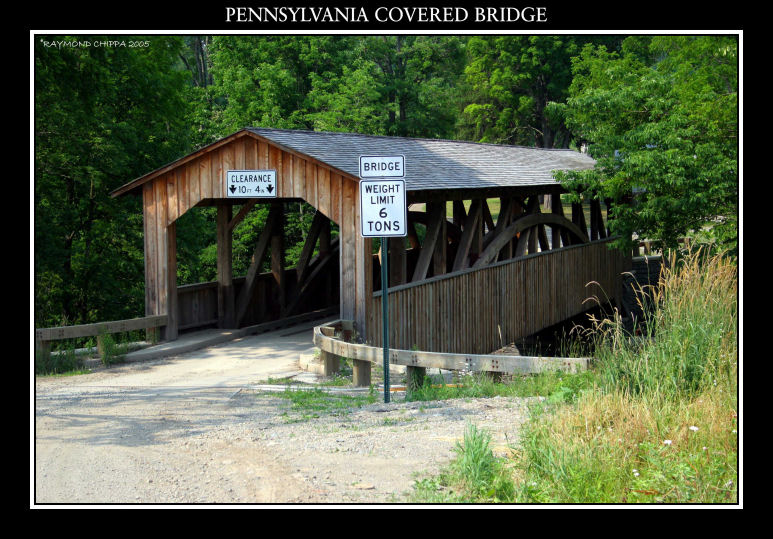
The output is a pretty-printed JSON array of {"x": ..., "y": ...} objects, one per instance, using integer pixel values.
[
  {"x": 361, "y": 353},
  {"x": 464, "y": 311}
]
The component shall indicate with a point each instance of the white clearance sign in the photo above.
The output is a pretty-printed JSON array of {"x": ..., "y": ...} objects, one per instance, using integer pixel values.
[
  {"x": 383, "y": 211},
  {"x": 250, "y": 184}
]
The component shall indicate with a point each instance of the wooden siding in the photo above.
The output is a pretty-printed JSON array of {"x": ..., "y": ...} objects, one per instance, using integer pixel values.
[
  {"x": 201, "y": 179},
  {"x": 461, "y": 312}
]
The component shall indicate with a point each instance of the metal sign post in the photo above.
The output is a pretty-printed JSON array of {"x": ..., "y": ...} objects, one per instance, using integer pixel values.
[
  {"x": 385, "y": 312},
  {"x": 383, "y": 213}
]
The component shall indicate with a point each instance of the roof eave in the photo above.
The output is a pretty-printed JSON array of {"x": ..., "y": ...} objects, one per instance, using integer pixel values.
[{"x": 138, "y": 182}]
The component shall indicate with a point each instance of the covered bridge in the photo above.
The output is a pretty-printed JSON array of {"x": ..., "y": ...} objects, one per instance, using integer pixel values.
[{"x": 462, "y": 281}]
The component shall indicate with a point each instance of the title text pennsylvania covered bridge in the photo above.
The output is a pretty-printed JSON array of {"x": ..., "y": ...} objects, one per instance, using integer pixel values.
[{"x": 484, "y": 262}]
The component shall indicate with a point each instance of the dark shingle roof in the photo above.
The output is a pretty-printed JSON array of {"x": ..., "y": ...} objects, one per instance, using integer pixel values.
[{"x": 435, "y": 163}]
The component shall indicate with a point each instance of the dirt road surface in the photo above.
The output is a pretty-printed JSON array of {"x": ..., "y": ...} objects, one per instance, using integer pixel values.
[{"x": 192, "y": 429}]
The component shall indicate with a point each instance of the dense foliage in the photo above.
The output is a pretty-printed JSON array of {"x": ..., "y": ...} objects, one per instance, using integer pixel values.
[
  {"x": 103, "y": 115},
  {"x": 667, "y": 107},
  {"x": 661, "y": 118}
]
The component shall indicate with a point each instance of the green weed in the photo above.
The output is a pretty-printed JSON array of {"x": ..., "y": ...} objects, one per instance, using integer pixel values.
[{"x": 65, "y": 361}]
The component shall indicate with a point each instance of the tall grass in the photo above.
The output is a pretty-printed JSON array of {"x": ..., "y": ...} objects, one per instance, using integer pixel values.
[
  {"x": 655, "y": 422},
  {"x": 689, "y": 336},
  {"x": 662, "y": 424},
  {"x": 475, "y": 475}
]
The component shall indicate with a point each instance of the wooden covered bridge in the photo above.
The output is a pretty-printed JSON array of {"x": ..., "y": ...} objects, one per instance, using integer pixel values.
[{"x": 462, "y": 281}]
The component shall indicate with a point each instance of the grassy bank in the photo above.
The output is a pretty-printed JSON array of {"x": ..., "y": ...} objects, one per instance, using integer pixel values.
[{"x": 655, "y": 420}]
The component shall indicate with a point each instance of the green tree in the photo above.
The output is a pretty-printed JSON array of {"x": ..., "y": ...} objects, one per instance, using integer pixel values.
[
  {"x": 103, "y": 116},
  {"x": 661, "y": 119},
  {"x": 416, "y": 78},
  {"x": 513, "y": 82}
]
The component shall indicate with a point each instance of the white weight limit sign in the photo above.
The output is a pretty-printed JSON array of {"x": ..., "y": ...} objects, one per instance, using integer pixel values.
[{"x": 383, "y": 211}]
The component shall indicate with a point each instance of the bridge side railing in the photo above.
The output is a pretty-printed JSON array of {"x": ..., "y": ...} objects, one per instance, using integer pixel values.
[
  {"x": 45, "y": 336},
  {"x": 479, "y": 310}
]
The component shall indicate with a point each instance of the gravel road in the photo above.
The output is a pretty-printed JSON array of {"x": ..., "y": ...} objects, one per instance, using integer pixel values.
[{"x": 193, "y": 429}]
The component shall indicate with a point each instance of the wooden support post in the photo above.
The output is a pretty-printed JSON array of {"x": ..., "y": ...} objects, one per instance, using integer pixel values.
[
  {"x": 533, "y": 206},
  {"x": 434, "y": 224},
  {"x": 413, "y": 237},
  {"x": 360, "y": 369},
  {"x": 277, "y": 256},
  {"x": 543, "y": 238},
  {"x": 578, "y": 216},
  {"x": 302, "y": 266},
  {"x": 152, "y": 335},
  {"x": 331, "y": 363},
  {"x": 226, "y": 316},
  {"x": 532, "y": 240},
  {"x": 439, "y": 261},
  {"x": 245, "y": 296},
  {"x": 547, "y": 201},
  {"x": 42, "y": 350},
  {"x": 414, "y": 377},
  {"x": 468, "y": 234},
  {"x": 459, "y": 213},
  {"x": 523, "y": 242},
  {"x": 170, "y": 330},
  {"x": 488, "y": 220},
  {"x": 324, "y": 250},
  {"x": 398, "y": 261},
  {"x": 494, "y": 376},
  {"x": 555, "y": 232},
  {"x": 477, "y": 238},
  {"x": 509, "y": 250}
]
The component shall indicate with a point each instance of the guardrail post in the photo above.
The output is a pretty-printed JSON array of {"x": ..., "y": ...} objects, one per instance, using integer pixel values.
[
  {"x": 152, "y": 335},
  {"x": 43, "y": 350},
  {"x": 414, "y": 377},
  {"x": 360, "y": 369},
  {"x": 330, "y": 362},
  {"x": 494, "y": 376}
]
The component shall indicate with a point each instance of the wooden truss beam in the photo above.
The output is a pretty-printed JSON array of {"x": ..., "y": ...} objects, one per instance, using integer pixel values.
[
  {"x": 274, "y": 220},
  {"x": 317, "y": 224},
  {"x": 436, "y": 218},
  {"x": 243, "y": 211},
  {"x": 317, "y": 266},
  {"x": 470, "y": 229},
  {"x": 527, "y": 223}
]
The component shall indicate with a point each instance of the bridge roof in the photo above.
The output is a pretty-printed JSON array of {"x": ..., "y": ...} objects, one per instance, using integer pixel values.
[
  {"x": 436, "y": 163},
  {"x": 430, "y": 164}
]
